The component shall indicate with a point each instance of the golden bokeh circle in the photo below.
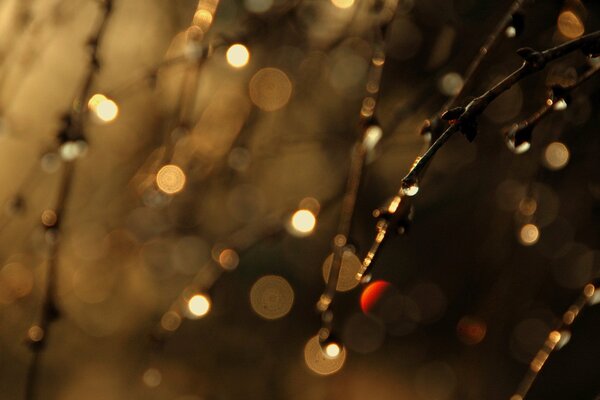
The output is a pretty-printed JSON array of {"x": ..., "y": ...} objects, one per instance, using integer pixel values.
[
  {"x": 318, "y": 362},
  {"x": 198, "y": 306},
  {"x": 529, "y": 234},
  {"x": 237, "y": 55},
  {"x": 556, "y": 156},
  {"x": 302, "y": 223},
  {"x": 348, "y": 269},
  {"x": 270, "y": 89},
  {"x": 170, "y": 179},
  {"x": 271, "y": 297}
]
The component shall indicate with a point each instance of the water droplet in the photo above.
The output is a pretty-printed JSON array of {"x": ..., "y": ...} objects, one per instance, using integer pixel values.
[
  {"x": 564, "y": 338},
  {"x": 73, "y": 149},
  {"x": 372, "y": 136},
  {"x": 560, "y": 105},
  {"x": 409, "y": 188},
  {"x": 510, "y": 31},
  {"x": 520, "y": 149}
]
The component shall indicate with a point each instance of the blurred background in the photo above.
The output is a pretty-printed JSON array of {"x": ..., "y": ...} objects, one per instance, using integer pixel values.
[{"x": 204, "y": 204}]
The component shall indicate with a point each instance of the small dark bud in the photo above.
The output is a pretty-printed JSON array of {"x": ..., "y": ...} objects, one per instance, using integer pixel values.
[
  {"x": 531, "y": 56},
  {"x": 152, "y": 79},
  {"x": 95, "y": 63},
  {"x": 15, "y": 205},
  {"x": 453, "y": 114},
  {"x": 52, "y": 311},
  {"x": 469, "y": 129},
  {"x": 93, "y": 43}
]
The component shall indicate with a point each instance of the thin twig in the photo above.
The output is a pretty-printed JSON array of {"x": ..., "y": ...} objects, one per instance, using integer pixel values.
[
  {"x": 522, "y": 131},
  {"x": 73, "y": 130},
  {"x": 357, "y": 161},
  {"x": 490, "y": 42},
  {"x": 465, "y": 119},
  {"x": 589, "y": 293}
]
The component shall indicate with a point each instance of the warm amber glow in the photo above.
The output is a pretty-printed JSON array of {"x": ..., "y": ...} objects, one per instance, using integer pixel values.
[
  {"x": 589, "y": 290},
  {"x": 199, "y": 305},
  {"x": 333, "y": 350},
  {"x": 237, "y": 55},
  {"x": 570, "y": 25},
  {"x": 343, "y": 3},
  {"x": 170, "y": 179},
  {"x": 271, "y": 297},
  {"x": 529, "y": 234},
  {"x": 303, "y": 222},
  {"x": 105, "y": 109},
  {"x": 554, "y": 337},
  {"x": 270, "y": 89},
  {"x": 556, "y": 156}
]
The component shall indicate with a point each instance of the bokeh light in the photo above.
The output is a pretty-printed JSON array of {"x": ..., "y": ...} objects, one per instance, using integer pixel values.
[
  {"x": 199, "y": 305},
  {"x": 372, "y": 136},
  {"x": 238, "y": 55},
  {"x": 228, "y": 259},
  {"x": 373, "y": 294},
  {"x": 258, "y": 6},
  {"x": 49, "y": 218},
  {"x": 556, "y": 156},
  {"x": 35, "y": 333},
  {"x": 570, "y": 25},
  {"x": 170, "y": 321},
  {"x": 529, "y": 234},
  {"x": 471, "y": 330},
  {"x": 318, "y": 362},
  {"x": 302, "y": 223},
  {"x": 103, "y": 108},
  {"x": 450, "y": 84},
  {"x": 333, "y": 350},
  {"x": 342, "y": 3},
  {"x": 271, "y": 297},
  {"x": 16, "y": 282},
  {"x": 152, "y": 377},
  {"x": 349, "y": 267},
  {"x": 170, "y": 179},
  {"x": 270, "y": 89},
  {"x": 73, "y": 149}
]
